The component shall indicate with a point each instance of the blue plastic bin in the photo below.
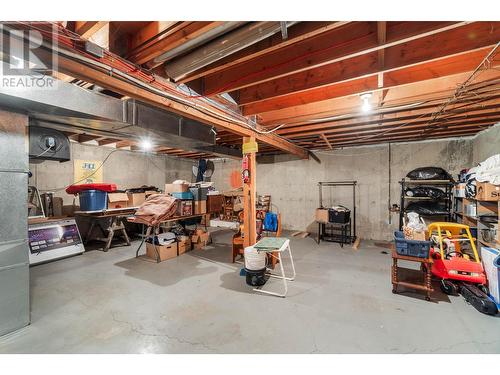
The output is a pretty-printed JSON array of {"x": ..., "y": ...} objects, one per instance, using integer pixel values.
[
  {"x": 412, "y": 248},
  {"x": 183, "y": 195},
  {"x": 93, "y": 200}
]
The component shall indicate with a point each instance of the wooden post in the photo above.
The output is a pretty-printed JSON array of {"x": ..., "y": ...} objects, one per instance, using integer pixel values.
[{"x": 249, "y": 212}]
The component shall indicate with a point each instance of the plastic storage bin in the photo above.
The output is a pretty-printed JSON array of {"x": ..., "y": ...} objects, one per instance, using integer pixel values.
[
  {"x": 412, "y": 248},
  {"x": 183, "y": 195},
  {"x": 93, "y": 200},
  {"x": 339, "y": 216}
]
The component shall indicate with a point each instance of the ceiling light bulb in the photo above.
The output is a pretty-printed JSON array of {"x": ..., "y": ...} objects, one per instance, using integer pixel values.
[
  {"x": 366, "y": 106},
  {"x": 146, "y": 145}
]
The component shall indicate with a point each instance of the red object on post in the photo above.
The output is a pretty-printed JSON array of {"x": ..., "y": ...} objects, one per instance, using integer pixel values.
[
  {"x": 245, "y": 174},
  {"x": 75, "y": 189}
]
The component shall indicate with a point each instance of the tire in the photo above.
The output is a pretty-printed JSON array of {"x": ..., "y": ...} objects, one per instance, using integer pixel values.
[
  {"x": 448, "y": 287},
  {"x": 483, "y": 288}
]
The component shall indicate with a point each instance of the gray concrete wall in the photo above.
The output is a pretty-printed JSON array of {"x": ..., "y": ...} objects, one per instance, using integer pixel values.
[
  {"x": 126, "y": 169},
  {"x": 486, "y": 144},
  {"x": 292, "y": 183}
]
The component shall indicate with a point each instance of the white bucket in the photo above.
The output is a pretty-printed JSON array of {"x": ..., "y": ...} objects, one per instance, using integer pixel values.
[{"x": 254, "y": 260}]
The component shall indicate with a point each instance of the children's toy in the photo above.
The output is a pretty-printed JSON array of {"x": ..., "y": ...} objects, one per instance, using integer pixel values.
[{"x": 456, "y": 263}]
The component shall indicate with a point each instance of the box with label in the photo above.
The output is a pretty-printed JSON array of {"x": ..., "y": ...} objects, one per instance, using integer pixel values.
[
  {"x": 184, "y": 208},
  {"x": 200, "y": 207},
  {"x": 136, "y": 199},
  {"x": 117, "y": 200},
  {"x": 176, "y": 188},
  {"x": 322, "y": 215},
  {"x": 165, "y": 252},
  {"x": 487, "y": 192}
]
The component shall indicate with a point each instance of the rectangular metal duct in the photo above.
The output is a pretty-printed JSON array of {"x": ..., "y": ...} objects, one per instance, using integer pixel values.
[
  {"x": 74, "y": 109},
  {"x": 221, "y": 47},
  {"x": 14, "y": 264},
  {"x": 195, "y": 42}
]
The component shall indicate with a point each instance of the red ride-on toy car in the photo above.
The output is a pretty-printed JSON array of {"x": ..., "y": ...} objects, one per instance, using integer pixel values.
[{"x": 456, "y": 263}]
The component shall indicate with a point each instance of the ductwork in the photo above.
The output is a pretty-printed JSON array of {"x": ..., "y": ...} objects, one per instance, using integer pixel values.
[
  {"x": 198, "y": 41},
  {"x": 71, "y": 108},
  {"x": 221, "y": 47}
]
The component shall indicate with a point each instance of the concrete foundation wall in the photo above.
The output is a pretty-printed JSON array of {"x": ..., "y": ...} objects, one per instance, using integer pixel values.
[
  {"x": 292, "y": 183},
  {"x": 486, "y": 144},
  {"x": 126, "y": 169}
]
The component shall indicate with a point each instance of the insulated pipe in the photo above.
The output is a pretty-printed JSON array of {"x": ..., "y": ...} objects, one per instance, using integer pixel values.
[
  {"x": 195, "y": 42},
  {"x": 222, "y": 47}
]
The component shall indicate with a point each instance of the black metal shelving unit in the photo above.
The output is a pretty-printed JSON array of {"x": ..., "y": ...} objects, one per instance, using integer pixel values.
[
  {"x": 445, "y": 185},
  {"x": 333, "y": 232}
]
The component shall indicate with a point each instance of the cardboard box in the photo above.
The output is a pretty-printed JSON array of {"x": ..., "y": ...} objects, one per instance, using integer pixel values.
[
  {"x": 200, "y": 207},
  {"x": 184, "y": 208},
  {"x": 200, "y": 239},
  {"x": 322, "y": 215},
  {"x": 166, "y": 252},
  {"x": 176, "y": 188},
  {"x": 184, "y": 244},
  {"x": 117, "y": 200},
  {"x": 487, "y": 192},
  {"x": 136, "y": 199}
]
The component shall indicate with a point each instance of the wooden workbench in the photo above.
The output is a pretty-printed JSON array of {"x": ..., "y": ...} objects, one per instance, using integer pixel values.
[{"x": 425, "y": 266}]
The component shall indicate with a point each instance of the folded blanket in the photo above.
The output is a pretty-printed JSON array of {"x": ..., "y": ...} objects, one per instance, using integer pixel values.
[{"x": 156, "y": 208}]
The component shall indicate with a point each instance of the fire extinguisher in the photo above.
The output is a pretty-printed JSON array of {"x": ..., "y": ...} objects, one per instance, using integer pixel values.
[{"x": 245, "y": 174}]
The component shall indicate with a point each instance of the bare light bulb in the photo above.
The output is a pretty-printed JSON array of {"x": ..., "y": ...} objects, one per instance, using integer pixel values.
[
  {"x": 146, "y": 145},
  {"x": 366, "y": 106}
]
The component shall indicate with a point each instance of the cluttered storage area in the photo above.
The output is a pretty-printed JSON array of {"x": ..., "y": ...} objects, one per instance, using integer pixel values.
[{"x": 146, "y": 211}]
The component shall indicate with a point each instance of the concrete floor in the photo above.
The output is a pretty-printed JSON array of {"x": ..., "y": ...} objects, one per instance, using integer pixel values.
[{"x": 341, "y": 302}]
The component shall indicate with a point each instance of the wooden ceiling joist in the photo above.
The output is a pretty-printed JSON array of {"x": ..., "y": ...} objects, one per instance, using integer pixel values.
[
  {"x": 351, "y": 40},
  {"x": 296, "y": 33},
  {"x": 442, "y": 67},
  {"x": 88, "y": 28},
  {"x": 453, "y": 42},
  {"x": 113, "y": 83}
]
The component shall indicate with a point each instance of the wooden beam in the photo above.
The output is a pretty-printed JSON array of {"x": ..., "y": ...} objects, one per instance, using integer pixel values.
[
  {"x": 249, "y": 200},
  {"x": 368, "y": 69},
  {"x": 348, "y": 41},
  {"x": 153, "y": 32},
  {"x": 122, "y": 144},
  {"x": 296, "y": 33},
  {"x": 106, "y": 141},
  {"x": 430, "y": 91},
  {"x": 424, "y": 50},
  {"x": 381, "y": 40},
  {"x": 88, "y": 28},
  {"x": 187, "y": 32},
  {"x": 326, "y": 140},
  {"x": 113, "y": 83}
]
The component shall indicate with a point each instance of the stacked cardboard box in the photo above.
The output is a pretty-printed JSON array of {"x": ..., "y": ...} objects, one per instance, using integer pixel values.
[
  {"x": 200, "y": 239},
  {"x": 184, "y": 244}
]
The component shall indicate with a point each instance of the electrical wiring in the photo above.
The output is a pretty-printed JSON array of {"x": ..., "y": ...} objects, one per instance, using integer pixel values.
[
  {"x": 43, "y": 153},
  {"x": 165, "y": 91}
]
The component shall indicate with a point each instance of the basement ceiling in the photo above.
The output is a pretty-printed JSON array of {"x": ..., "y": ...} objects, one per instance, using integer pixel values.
[{"x": 306, "y": 87}]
